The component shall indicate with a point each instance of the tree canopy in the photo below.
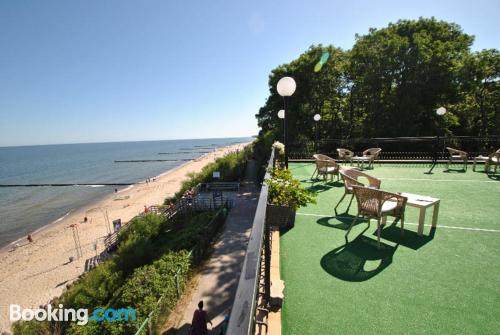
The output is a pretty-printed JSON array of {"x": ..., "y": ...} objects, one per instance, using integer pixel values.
[{"x": 390, "y": 84}]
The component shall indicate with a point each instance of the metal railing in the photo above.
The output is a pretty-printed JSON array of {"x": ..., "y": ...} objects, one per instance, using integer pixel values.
[
  {"x": 423, "y": 148},
  {"x": 242, "y": 319}
]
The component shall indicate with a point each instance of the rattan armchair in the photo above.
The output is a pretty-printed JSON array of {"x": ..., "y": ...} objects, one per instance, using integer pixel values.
[
  {"x": 491, "y": 159},
  {"x": 350, "y": 178},
  {"x": 377, "y": 204},
  {"x": 325, "y": 166},
  {"x": 456, "y": 156},
  {"x": 369, "y": 156},
  {"x": 345, "y": 155}
]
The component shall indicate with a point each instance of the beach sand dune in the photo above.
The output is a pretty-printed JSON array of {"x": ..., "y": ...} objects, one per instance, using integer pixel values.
[{"x": 36, "y": 272}]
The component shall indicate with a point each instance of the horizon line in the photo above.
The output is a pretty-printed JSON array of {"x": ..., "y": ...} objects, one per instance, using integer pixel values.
[{"x": 105, "y": 142}]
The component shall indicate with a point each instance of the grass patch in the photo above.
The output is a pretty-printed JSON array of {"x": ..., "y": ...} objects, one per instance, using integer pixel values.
[{"x": 440, "y": 283}]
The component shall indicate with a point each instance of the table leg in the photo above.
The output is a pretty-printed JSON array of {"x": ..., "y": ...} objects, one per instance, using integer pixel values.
[
  {"x": 421, "y": 221},
  {"x": 435, "y": 213}
]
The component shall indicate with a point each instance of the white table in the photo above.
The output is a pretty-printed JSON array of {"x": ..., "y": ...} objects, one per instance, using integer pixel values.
[{"x": 423, "y": 202}]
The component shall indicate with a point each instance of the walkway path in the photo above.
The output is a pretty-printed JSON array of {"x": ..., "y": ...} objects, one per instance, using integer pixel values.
[{"x": 218, "y": 279}]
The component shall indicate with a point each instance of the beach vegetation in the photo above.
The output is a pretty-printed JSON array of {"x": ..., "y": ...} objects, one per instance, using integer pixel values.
[
  {"x": 231, "y": 167},
  {"x": 154, "y": 259}
]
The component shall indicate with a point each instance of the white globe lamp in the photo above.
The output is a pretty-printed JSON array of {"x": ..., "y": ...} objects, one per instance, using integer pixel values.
[{"x": 286, "y": 86}]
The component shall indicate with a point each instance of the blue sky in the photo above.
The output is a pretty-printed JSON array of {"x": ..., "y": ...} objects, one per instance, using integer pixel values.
[{"x": 94, "y": 71}]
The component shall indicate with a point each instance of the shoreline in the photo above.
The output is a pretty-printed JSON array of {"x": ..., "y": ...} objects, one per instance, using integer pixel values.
[
  {"x": 34, "y": 273},
  {"x": 22, "y": 240}
]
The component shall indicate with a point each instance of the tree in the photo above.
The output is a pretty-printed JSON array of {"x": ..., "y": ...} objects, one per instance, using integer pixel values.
[{"x": 390, "y": 84}]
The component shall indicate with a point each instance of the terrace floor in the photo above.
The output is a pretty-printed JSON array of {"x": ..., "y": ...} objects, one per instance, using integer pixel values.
[{"x": 446, "y": 282}]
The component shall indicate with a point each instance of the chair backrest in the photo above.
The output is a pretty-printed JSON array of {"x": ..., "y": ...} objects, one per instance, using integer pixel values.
[
  {"x": 356, "y": 174},
  {"x": 323, "y": 157},
  {"x": 370, "y": 200},
  {"x": 345, "y": 153},
  {"x": 372, "y": 152},
  {"x": 350, "y": 178},
  {"x": 453, "y": 151},
  {"x": 321, "y": 165},
  {"x": 494, "y": 157}
]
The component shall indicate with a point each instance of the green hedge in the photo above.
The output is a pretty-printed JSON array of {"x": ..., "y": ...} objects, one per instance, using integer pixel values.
[{"x": 231, "y": 167}]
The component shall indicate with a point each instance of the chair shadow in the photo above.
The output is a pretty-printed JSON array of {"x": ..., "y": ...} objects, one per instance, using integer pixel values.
[
  {"x": 343, "y": 221},
  {"x": 358, "y": 260},
  {"x": 455, "y": 171},
  {"x": 494, "y": 176},
  {"x": 322, "y": 187},
  {"x": 410, "y": 239}
]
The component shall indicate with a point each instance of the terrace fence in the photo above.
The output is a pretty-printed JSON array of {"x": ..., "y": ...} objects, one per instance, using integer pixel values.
[
  {"x": 420, "y": 149},
  {"x": 242, "y": 320}
]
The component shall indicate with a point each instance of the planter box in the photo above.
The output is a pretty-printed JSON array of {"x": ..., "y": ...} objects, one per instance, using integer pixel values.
[{"x": 280, "y": 216}]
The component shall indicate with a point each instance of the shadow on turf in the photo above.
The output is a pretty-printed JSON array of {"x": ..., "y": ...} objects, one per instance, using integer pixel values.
[
  {"x": 342, "y": 221},
  {"x": 410, "y": 239},
  {"x": 455, "y": 171},
  {"x": 358, "y": 260},
  {"x": 322, "y": 187},
  {"x": 494, "y": 177}
]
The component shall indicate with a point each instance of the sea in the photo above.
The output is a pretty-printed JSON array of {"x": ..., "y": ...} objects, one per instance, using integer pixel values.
[{"x": 24, "y": 210}]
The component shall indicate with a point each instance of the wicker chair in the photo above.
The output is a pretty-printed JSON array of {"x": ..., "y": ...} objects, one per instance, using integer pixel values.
[
  {"x": 325, "y": 166},
  {"x": 491, "y": 159},
  {"x": 456, "y": 156},
  {"x": 350, "y": 178},
  {"x": 377, "y": 204},
  {"x": 369, "y": 156},
  {"x": 345, "y": 155}
]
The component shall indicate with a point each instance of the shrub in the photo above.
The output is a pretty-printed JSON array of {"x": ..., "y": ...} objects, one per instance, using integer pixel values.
[{"x": 284, "y": 190}]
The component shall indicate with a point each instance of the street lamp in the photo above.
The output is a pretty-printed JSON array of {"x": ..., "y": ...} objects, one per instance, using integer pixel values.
[
  {"x": 281, "y": 115},
  {"x": 286, "y": 87},
  {"x": 316, "y": 118},
  {"x": 440, "y": 112}
]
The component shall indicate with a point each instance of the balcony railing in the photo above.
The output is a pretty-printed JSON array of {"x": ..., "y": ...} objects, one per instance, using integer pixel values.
[{"x": 242, "y": 319}]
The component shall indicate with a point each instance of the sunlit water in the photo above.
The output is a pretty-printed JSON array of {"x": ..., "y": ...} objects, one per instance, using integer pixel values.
[{"x": 25, "y": 209}]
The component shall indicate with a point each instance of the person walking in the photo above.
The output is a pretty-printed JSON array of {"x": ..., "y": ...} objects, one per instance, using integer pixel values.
[{"x": 200, "y": 320}]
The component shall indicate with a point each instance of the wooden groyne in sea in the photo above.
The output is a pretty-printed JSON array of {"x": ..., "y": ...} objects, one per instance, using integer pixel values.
[{"x": 152, "y": 160}]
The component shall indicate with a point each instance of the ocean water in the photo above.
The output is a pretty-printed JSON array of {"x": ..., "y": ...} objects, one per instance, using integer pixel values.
[{"x": 26, "y": 209}]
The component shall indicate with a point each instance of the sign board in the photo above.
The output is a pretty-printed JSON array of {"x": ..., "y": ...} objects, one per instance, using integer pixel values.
[{"x": 216, "y": 174}]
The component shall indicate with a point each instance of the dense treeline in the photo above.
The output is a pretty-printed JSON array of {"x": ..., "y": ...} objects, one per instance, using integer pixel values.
[{"x": 390, "y": 84}]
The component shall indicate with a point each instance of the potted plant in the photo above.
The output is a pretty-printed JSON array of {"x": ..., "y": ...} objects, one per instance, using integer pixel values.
[
  {"x": 279, "y": 151},
  {"x": 285, "y": 196}
]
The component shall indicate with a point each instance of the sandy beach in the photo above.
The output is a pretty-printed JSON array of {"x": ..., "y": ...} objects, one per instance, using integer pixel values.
[{"x": 34, "y": 273}]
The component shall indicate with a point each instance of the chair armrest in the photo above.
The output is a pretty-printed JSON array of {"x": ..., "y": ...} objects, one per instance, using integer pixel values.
[
  {"x": 373, "y": 182},
  {"x": 401, "y": 200}
]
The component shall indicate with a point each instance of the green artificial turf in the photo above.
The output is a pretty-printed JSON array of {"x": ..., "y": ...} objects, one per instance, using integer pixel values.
[{"x": 444, "y": 283}]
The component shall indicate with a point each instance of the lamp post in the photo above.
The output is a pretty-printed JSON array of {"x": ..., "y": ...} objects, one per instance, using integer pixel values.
[
  {"x": 440, "y": 112},
  {"x": 281, "y": 115},
  {"x": 286, "y": 87},
  {"x": 316, "y": 118}
]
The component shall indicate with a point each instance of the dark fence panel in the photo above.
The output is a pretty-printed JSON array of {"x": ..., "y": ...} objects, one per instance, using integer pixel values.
[{"x": 400, "y": 148}]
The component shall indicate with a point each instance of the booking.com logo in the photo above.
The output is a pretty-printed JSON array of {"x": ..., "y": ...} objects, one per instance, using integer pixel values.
[{"x": 81, "y": 316}]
